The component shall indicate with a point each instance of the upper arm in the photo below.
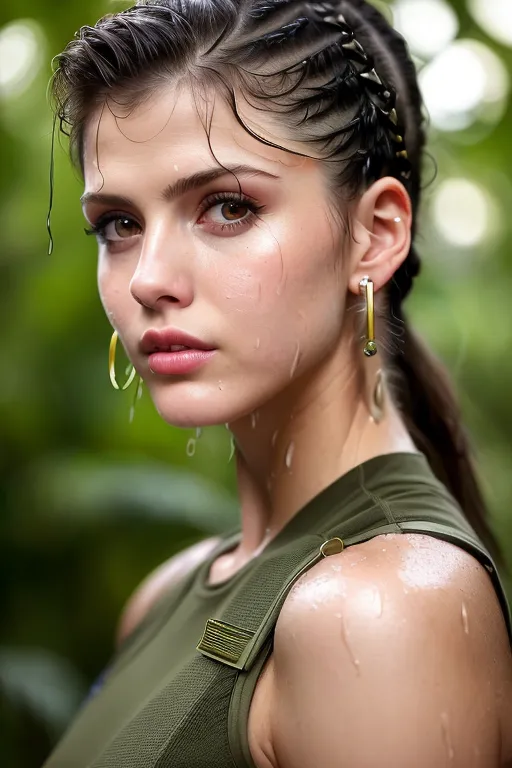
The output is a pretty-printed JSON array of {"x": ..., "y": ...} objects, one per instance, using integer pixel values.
[
  {"x": 396, "y": 658},
  {"x": 162, "y": 578}
]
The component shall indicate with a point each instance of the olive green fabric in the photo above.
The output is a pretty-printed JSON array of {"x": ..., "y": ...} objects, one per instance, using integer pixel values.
[{"x": 166, "y": 704}]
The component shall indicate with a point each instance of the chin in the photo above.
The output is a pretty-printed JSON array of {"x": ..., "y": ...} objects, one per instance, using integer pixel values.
[{"x": 192, "y": 409}]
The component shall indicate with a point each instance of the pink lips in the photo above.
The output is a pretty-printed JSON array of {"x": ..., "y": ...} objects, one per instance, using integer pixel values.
[{"x": 172, "y": 352}]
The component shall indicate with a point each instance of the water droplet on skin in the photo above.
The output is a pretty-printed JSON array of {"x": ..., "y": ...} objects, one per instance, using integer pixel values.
[
  {"x": 176, "y": 168},
  {"x": 191, "y": 447},
  {"x": 353, "y": 659},
  {"x": 274, "y": 438},
  {"x": 465, "y": 620},
  {"x": 220, "y": 385},
  {"x": 445, "y": 729},
  {"x": 295, "y": 362},
  {"x": 253, "y": 420},
  {"x": 377, "y": 604},
  {"x": 289, "y": 456},
  {"x": 258, "y": 343},
  {"x": 361, "y": 559}
]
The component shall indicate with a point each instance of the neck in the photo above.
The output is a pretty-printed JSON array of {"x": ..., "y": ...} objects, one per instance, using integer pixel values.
[{"x": 301, "y": 442}]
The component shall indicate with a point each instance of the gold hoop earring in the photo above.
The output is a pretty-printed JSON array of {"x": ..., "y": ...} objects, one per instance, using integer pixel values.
[
  {"x": 112, "y": 365},
  {"x": 366, "y": 286}
]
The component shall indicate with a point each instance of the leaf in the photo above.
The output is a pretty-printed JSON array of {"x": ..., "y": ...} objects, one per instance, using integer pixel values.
[
  {"x": 85, "y": 487},
  {"x": 43, "y": 682}
]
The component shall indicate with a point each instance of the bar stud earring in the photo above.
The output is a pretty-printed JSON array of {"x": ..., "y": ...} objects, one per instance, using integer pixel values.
[{"x": 366, "y": 286}]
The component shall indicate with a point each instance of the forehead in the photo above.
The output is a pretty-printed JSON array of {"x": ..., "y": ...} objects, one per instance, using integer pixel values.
[{"x": 170, "y": 129}]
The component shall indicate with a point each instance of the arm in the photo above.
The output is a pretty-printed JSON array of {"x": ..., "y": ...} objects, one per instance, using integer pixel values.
[
  {"x": 162, "y": 578},
  {"x": 393, "y": 653}
]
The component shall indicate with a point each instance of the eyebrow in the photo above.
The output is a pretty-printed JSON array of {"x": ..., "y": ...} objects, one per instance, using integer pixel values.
[{"x": 181, "y": 186}]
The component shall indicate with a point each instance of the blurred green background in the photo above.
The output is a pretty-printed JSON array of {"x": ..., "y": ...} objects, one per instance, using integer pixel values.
[{"x": 90, "y": 503}]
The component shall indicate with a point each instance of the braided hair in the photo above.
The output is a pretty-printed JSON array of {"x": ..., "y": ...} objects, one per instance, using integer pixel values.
[{"x": 340, "y": 81}]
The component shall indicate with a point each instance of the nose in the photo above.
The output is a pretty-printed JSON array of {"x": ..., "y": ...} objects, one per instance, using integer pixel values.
[{"x": 163, "y": 274}]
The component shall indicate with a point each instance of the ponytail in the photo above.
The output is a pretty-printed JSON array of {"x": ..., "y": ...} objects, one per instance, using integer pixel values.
[{"x": 432, "y": 415}]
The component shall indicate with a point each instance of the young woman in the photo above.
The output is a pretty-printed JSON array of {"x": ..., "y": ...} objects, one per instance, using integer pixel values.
[{"x": 252, "y": 174}]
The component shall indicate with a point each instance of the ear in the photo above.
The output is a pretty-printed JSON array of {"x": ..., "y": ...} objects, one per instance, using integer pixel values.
[{"x": 381, "y": 223}]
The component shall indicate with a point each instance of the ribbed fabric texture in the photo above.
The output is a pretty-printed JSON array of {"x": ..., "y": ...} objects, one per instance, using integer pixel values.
[{"x": 166, "y": 704}]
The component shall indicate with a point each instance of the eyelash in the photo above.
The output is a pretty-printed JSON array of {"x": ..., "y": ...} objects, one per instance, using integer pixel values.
[{"x": 98, "y": 229}]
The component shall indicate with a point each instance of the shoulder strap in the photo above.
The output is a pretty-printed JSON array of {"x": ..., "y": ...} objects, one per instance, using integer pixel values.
[
  {"x": 258, "y": 646},
  {"x": 249, "y": 615}
]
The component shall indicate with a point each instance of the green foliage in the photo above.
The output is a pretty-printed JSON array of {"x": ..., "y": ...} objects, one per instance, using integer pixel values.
[{"x": 91, "y": 503}]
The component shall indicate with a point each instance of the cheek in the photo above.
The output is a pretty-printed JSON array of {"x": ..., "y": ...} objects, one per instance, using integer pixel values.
[
  {"x": 106, "y": 290},
  {"x": 113, "y": 290},
  {"x": 103, "y": 281},
  {"x": 285, "y": 295}
]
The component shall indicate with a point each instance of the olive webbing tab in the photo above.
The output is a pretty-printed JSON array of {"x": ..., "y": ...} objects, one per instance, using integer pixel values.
[{"x": 224, "y": 642}]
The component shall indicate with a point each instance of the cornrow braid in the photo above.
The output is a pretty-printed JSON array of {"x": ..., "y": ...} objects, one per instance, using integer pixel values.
[
  {"x": 343, "y": 66},
  {"x": 383, "y": 96},
  {"x": 396, "y": 65},
  {"x": 265, "y": 9}
]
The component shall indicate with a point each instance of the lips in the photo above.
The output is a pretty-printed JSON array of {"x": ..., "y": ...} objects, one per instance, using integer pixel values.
[{"x": 171, "y": 340}]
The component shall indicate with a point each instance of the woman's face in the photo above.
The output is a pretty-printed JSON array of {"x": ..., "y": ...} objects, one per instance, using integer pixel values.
[{"x": 258, "y": 280}]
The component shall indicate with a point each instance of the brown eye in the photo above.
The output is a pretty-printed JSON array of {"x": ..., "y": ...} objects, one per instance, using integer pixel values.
[
  {"x": 228, "y": 212},
  {"x": 233, "y": 211},
  {"x": 124, "y": 227}
]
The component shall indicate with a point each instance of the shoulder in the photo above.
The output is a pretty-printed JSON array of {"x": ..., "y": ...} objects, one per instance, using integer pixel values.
[
  {"x": 170, "y": 573},
  {"x": 397, "y": 649}
]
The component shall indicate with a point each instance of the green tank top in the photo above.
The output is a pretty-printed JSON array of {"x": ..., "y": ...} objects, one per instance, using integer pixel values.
[{"x": 178, "y": 692}]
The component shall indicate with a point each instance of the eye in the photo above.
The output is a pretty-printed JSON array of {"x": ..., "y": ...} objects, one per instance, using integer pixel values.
[
  {"x": 228, "y": 211},
  {"x": 114, "y": 228}
]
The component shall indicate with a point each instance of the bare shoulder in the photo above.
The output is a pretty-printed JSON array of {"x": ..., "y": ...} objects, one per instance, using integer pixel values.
[
  {"x": 171, "y": 572},
  {"x": 398, "y": 648}
]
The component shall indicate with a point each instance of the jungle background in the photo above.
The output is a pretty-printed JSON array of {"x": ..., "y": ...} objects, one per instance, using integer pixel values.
[{"x": 89, "y": 502}]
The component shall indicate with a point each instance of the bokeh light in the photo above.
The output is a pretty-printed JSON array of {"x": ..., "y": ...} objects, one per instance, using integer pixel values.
[
  {"x": 465, "y": 83},
  {"x": 427, "y": 25},
  {"x": 464, "y": 212},
  {"x": 495, "y": 18},
  {"x": 22, "y": 52}
]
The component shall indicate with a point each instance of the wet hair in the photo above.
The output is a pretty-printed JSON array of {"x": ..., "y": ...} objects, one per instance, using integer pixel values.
[{"x": 339, "y": 80}]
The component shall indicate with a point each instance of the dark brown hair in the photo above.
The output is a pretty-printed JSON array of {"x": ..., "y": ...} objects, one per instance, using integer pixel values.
[{"x": 341, "y": 81}]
